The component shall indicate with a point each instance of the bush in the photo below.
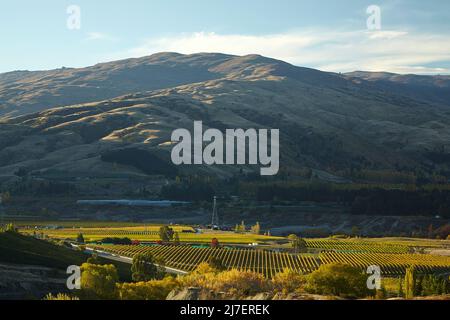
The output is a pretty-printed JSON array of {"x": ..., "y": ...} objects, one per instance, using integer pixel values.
[
  {"x": 288, "y": 281},
  {"x": 60, "y": 296},
  {"x": 200, "y": 277},
  {"x": 93, "y": 259},
  {"x": 166, "y": 233},
  {"x": 339, "y": 280},
  {"x": 120, "y": 241},
  {"x": 216, "y": 263},
  {"x": 240, "y": 282},
  {"x": 151, "y": 290},
  {"x": 80, "y": 238},
  {"x": 143, "y": 268},
  {"x": 98, "y": 282},
  {"x": 243, "y": 283}
]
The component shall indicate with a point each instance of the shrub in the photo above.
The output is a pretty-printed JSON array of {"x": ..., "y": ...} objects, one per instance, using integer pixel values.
[
  {"x": 166, "y": 233},
  {"x": 60, "y": 296},
  {"x": 93, "y": 259},
  {"x": 80, "y": 238},
  {"x": 216, "y": 263},
  {"x": 119, "y": 241},
  {"x": 232, "y": 282},
  {"x": 98, "y": 282},
  {"x": 151, "y": 290},
  {"x": 143, "y": 268},
  {"x": 240, "y": 282},
  {"x": 338, "y": 279},
  {"x": 288, "y": 281},
  {"x": 202, "y": 276}
]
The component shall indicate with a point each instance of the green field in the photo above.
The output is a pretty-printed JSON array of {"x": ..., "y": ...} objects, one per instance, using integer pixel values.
[{"x": 151, "y": 233}]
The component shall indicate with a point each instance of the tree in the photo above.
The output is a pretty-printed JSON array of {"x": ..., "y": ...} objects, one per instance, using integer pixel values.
[
  {"x": 418, "y": 288},
  {"x": 80, "y": 238},
  {"x": 256, "y": 229},
  {"x": 410, "y": 282},
  {"x": 176, "y": 238},
  {"x": 243, "y": 228},
  {"x": 143, "y": 268},
  {"x": 122, "y": 241},
  {"x": 10, "y": 227},
  {"x": 215, "y": 243},
  {"x": 298, "y": 243},
  {"x": 430, "y": 231},
  {"x": 288, "y": 281},
  {"x": 400, "y": 292},
  {"x": 240, "y": 228},
  {"x": 216, "y": 263},
  {"x": 355, "y": 231},
  {"x": 98, "y": 282},
  {"x": 433, "y": 285},
  {"x": 381, "y": 294},
  {"x": 166, "y": 234},
  {"x": 339, "y": 280},
  {"x": 93, "y": 259}
]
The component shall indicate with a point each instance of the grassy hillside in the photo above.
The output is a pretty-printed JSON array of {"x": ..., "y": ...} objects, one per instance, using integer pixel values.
[
  {"x": 19, "y": 249},
  {"x": 327, "y": 122},
  {"x": 16, "y": 248}
]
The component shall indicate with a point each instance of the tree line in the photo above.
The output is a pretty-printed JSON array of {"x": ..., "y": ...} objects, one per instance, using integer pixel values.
[{"x": 364, "y": 201}]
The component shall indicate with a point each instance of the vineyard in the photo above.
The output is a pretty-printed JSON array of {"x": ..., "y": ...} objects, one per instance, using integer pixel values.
[
  {"x": 187, "y": 234},
  {"x": 390, "y": 264},
  {"x": 187, "y": 258},
  {"x": 269, "y": 263},
  {"x": 151, "y": 234},
  {"x": 355, "y": 246},
  {"x": 274, "y": 254}
]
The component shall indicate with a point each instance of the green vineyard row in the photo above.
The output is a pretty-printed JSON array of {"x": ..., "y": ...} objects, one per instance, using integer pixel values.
[
  {"x": 347, "y": 246},
  {"x": 187, "y": 258},
  {"x": 390, "y": 264},
  {"x": 269, "y": 263}
]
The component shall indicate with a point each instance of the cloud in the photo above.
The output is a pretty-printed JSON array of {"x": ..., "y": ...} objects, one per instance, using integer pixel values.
[
  {"x": 387, "y": 34},
  {"x": 92, "y": 36},
  {"x": 329, "y": 50}
]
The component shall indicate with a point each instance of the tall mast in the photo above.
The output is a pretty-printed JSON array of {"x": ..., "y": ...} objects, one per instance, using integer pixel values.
[{"x": 215, "y": 215}]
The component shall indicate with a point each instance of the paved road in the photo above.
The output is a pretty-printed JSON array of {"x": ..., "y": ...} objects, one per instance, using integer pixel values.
[{"x": 109, "y": 256}]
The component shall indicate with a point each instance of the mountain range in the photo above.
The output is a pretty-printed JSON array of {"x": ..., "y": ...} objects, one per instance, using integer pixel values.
[{"x": 114, "y": 120}]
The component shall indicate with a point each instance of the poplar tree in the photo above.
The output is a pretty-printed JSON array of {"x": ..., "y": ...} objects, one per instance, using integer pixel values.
[{"x": 410, "y": 282}]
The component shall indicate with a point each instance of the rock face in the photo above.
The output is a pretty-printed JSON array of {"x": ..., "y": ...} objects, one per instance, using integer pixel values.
[
  {"x": 191, "y": 294},
  {"x": 30, "y": 282},
  {"x": 195, "y": 294}
]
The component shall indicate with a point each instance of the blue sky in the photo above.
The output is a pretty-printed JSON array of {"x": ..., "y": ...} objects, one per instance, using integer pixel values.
[{"x": 328, "y": 35}]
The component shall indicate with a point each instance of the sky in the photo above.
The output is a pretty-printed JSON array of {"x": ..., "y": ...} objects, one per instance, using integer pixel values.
[{"x": 404, "y": 36}]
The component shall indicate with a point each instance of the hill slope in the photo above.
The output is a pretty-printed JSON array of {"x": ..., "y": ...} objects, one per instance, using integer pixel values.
[
  {"x": 24, "y": 92},
  {"x": 328, "y": 121},
  {"x": 19, "y": 249},
  {"x": 435, "y": 89}
]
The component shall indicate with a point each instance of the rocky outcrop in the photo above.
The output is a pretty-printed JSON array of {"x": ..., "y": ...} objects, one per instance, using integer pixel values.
[
  {"x": 185, "y": 294},
  {"x": 19, "y": 282},
  {"x": 195, "y": 294}
]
